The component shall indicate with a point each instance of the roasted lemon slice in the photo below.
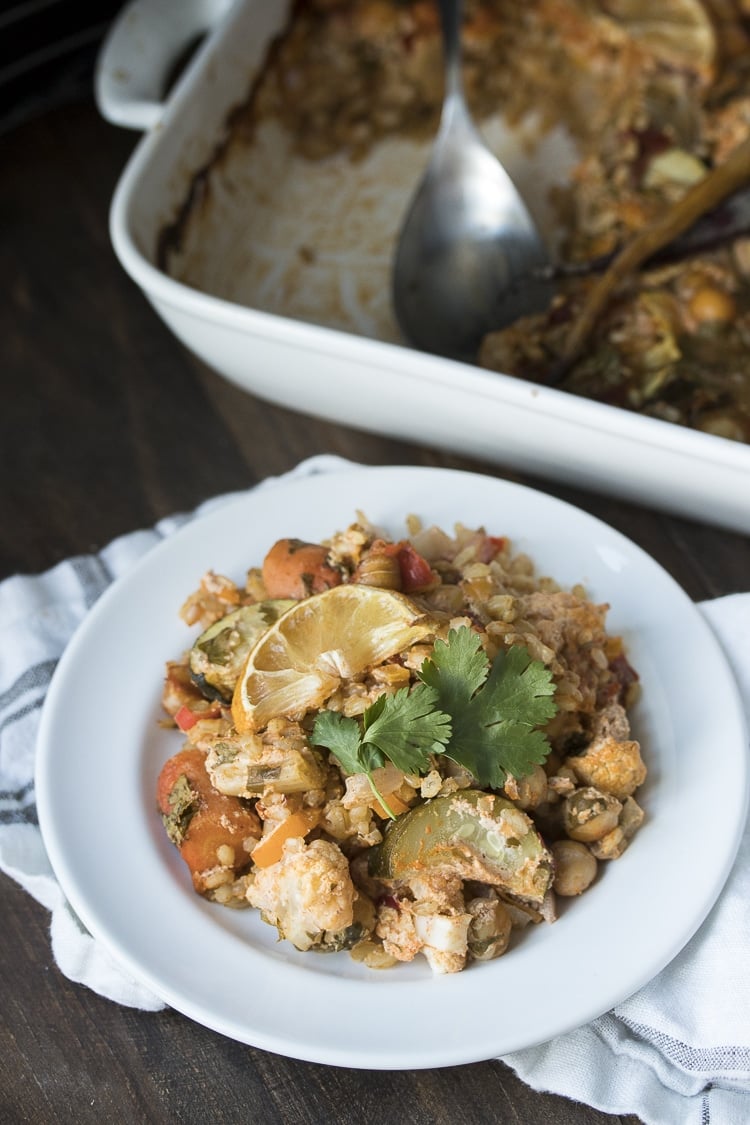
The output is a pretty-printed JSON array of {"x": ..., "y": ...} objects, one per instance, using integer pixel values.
[
  {"x": 680, "y": 32},
  {"x": 303, "y": 657}
]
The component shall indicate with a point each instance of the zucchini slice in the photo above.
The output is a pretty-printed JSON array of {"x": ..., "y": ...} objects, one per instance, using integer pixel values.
[
  {"x": 217, "y": 657},
  {"x": 481, "y": 836}
]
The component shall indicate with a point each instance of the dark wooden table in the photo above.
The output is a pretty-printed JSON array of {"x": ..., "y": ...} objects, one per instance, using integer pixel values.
[{"x": 106, "y": 425}]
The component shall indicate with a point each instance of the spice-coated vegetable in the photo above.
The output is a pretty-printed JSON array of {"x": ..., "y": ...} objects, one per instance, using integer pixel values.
[
  {"x": 217, "y": 656},
  {"x": 481, "y": 835}
]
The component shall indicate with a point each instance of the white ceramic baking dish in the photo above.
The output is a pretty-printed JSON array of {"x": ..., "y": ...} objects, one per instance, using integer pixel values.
[{"x": 340, "y": 375}]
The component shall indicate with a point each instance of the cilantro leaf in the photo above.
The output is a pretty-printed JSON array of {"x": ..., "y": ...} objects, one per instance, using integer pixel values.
[
  {"x": 457, "y": 668},
  {"x": 484, "y": 718},
  {"x": 519, "y": 686},
  {"x": 342, "y": 736},
  {"x": 404, "y": 727},
  {"x": 494, "y": 715},
  {"x": 407, "y": 727},
  {"x": 520, "y": 748},
  {"x": 492, "y": 752}
]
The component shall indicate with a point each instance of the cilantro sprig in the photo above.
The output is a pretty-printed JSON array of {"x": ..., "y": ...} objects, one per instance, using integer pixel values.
[
  {"x": 404, "y": 728},
  {"x": 486, "y": 717}
]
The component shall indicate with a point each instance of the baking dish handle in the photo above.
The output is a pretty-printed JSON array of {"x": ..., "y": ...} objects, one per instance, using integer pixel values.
[{"x": 143, "y": 52}]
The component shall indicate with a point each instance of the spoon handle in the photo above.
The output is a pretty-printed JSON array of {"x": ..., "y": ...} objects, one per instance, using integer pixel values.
[{"x": 451, "y": 15}]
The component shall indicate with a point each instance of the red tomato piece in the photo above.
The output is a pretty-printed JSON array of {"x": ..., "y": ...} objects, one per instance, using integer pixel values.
[
  {"x": 185, "y": 718},
  {"x": 416, "y": 572}
]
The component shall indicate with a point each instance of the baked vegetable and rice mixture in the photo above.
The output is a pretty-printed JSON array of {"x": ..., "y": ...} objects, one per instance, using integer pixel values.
[
  {"x": 399, "y": 747},
  {"x": 655, "y": 97}
]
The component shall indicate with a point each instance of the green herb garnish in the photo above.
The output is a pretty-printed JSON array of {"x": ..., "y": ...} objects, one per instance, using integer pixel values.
[
  {"x": 183, "y": 804},
  {"x": 484, "y": 717}
]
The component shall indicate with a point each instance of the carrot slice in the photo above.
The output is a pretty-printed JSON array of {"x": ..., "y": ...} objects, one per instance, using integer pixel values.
[
  {"x": 395, "y": 804},
  {"x": 269, "y": 849}
]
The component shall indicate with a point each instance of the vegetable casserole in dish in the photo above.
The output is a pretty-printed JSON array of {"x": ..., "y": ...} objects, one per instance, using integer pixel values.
[{"x": 260, "y": 218}]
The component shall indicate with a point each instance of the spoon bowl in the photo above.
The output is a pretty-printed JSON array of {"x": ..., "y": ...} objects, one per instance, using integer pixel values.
[{"x": 469, "y": 256}]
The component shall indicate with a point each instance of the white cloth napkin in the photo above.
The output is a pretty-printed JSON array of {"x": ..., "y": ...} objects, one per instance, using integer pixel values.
[
  {"x": 676, "y": 1052},
  {"x": 38, "y": 616}
]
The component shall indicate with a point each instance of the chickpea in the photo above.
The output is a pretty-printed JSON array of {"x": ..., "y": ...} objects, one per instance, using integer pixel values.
[
  {"x": 575, "y": 867},
  {"x": 710, "y": 305},
  {"x": 723, "y": 425},
  {"x": 528, "y": 792},
  {"x": 631, "y": 817},
  {"x": 741, "y": 256},
  {"x": 610, "y": 846},
  {"x": 589, "y": 815},
  {"x": 489, "y": 929}
]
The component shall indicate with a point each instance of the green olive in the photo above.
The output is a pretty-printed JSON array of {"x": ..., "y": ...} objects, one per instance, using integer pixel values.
[
  {"x": 217, "y": 657},
  {"x": 479, "y": 836}
]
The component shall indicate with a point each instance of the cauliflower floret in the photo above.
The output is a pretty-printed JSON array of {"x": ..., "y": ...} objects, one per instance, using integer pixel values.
[
  {"x": 434, "y": 922},
  {"x": 215, "y": 597},
  {"x": 345, "y": 548},
  {"x": 395, "y": 928},
  {"x": 407, "y": 928},
  {"x": 307, "y": 894},
  {"x": 611, "y": 762},
  {"x": 445, "y": 938}
]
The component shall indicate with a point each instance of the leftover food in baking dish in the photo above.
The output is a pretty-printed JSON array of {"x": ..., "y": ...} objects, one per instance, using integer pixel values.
[
  {"x": 654, "y": 99},
  {"x": 399, "y": 747}
]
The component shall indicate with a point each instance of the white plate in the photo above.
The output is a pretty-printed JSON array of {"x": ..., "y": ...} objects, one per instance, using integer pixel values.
[{"x": 100, "y": 751}]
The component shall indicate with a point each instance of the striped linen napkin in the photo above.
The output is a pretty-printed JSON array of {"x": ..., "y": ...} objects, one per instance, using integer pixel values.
[
  {"x": 38, "y": 616},
  {"x": 676, "y": 1052}
]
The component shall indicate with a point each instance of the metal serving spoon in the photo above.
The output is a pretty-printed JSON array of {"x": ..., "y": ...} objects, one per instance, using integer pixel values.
[{"x": 468, "y": 250}]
